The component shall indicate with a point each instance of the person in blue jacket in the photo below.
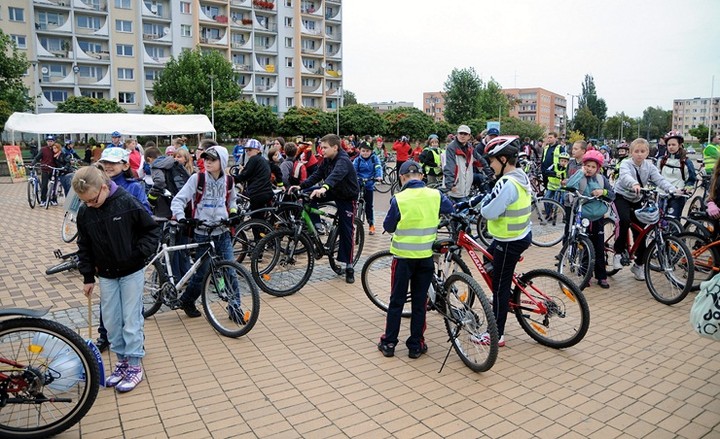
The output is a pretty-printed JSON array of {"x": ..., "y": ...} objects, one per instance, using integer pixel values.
[{"x": 368, "y": 168}]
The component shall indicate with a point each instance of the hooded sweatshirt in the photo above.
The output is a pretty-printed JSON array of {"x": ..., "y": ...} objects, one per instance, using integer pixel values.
[
  {"x": 504, "y": 194},
  {"x": 212, "y": 207},
  {"x": 647, "y": 172}
]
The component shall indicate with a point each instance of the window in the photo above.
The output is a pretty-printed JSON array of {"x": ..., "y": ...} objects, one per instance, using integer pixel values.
[
  {"x": 20, "y": 41},
  {"x": 152, "y": 75},
  {"x": 288, "y": 22},
  {"x": 185, "y": 30},
  {"x": 288, "y": 62},
  {"x": 155, "y": 7},
  {"x": 16, "y": 14},
  {"x": 210, "y": 11},
  {"x": 51, "y": 44},
  {"x": 93, "y": 94},
  {"x": 309, "y": 25},
  {"x": 125, "y": 97},
  {"x": 289, "y": 102},
  {"x": 154, "y": 30},
  {"x": 123, "y": 25},
  {"x": 288, "y": 42},
  {"x": 289, "y": 83},
  {"x": 90, "y": 47},
  {"x": 86, "y": 22},
  {"x": 185, "y": 7},
  {"x": 155, "y": 52},
  {"x": 90, "y": 72},
  {"x": 288, "y": 3},
  {"x": 55, "y": 95},
  {"x": 238, "y": 59},
  {"x": 124, "y": 73},
  {"x": 123, "y": 4},
  {"x": 124, "y": 50}
]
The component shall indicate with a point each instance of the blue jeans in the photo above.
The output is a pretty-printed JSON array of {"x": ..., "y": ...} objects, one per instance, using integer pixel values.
[
  {"x": 121, "y": 301},
  {"x": 223, "y": 247}
]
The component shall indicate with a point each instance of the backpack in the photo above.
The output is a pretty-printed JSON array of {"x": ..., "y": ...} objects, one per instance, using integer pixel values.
[
  {"x": 592, "y": 210},
  {"x": 176, "y": 177},
  {"x": 664, "y": 160},
  {"x": 229, "y": 182}
]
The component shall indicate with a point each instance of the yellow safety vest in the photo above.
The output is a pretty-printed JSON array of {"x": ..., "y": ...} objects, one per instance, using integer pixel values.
[
  {"x": 516, "y": 217},
  {"x": 436, "y": 159},
  {"x": 417, "y": 229}
]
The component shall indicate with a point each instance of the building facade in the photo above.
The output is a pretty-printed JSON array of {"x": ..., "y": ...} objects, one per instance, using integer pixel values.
[
  {"x": 434, "y": 105},
  {"x": 689, "y": 113},
  {"x": 540, "y": 106},
  {"x": 383, "y": 107},
  {"x": 286, "y": 52}
]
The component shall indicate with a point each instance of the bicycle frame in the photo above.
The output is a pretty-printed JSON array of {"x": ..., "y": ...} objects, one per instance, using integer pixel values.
[{"x": 165, "y": 254}]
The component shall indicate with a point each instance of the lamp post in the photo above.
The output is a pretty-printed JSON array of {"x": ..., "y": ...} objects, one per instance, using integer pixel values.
[
  {"x": 337, "y": 110},
  {"x": 212, "y": 101},
  {"x": 572, "y": 106}
]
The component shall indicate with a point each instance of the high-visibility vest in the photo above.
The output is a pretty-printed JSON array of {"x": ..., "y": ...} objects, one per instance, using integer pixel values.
[
  {"x": 710, "y": 156},
  {"x": 433, "y": 170},
  {"x": 417, "y": 229},
  {"x": 516, "y": 218},
  {"x": 555, "y": 182},
  {"x": 556, "y": 153}
]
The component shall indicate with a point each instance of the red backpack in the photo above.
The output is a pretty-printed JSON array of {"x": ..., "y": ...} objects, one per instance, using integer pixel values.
[{"x": 229, "y": 182}]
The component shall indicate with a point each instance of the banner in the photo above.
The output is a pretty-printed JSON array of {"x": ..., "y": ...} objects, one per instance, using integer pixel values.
[{"x": 14, "y": 161}]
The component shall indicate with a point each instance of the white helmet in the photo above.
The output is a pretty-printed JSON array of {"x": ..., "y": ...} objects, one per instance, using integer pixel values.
[{"x": 648, "y": 214}]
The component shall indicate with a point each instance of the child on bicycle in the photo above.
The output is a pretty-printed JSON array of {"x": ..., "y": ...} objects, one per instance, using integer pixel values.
[
  {"x": 678, "y": 169},
  {"x": 634, "y": 174},
  {"x": 556, "y": 174},
  {"x": 367, "y": 166},
  {"x": 115, "y": 236},
  {"x": 413, "y": 219},
  {"x": 507, "y": 210},
  {"x": 591, "y": 182},
  {"x": 575, "y": 163},
  {"x": 213, "y": 198}
]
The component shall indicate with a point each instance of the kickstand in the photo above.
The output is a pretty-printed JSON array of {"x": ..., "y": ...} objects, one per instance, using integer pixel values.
[{"x": 442, "y": 366}]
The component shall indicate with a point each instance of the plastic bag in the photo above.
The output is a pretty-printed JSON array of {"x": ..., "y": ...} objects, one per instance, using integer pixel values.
[{"x": 705, "y": 311}]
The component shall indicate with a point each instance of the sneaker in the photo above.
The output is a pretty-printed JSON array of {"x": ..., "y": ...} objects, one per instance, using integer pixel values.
[
  {"x": 102, "y": 344},
  {"x": 372, "y": 229},
  {"x": 118, "y": 374},
  {"x": 638, "y": 271},
  {"x": 190, "y": 310},
  {"x": 53, "y": 203},
  {"x": 350, "y": 275},
  {"x": 236, "y": 314},
  {"x": 484, "y": 339},
  {"x": 604, "y": 283},
  {"x": 387, "y": 350},
  {"x": 133, "y": 376},
  {"x": 320, "y": 228},
  {"x": 418, "y": 352},
  {"x": 617, "y": 262}
]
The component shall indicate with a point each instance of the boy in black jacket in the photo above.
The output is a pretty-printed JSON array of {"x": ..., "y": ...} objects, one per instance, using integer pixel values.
[
  {"x": 256, "y": 176},
  {"x": 340, "y": 184}
]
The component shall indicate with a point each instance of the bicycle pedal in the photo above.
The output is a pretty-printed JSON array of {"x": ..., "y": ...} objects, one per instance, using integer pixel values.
[{"x": 58, "y": 253}]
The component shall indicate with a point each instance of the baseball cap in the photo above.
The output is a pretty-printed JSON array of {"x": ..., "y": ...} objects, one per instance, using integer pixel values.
[
  {"x": 464, "y": 129},
  {"x": 68, "y": 141},
  {"x": 253, "y": 144},
  {"x": 493, "y": 132},
  {"x": 114, "y": 155},
  {"x": 410, "y": 167},
  {"x": 50, "y": 138},
  {"x": 115, "y": 134},
  {"x": 365, "y": 145},
  {"x": 210, "y": 153}
]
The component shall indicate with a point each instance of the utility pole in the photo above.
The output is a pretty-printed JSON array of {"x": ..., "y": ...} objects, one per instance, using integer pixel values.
[{"x": 212, "y": 101}]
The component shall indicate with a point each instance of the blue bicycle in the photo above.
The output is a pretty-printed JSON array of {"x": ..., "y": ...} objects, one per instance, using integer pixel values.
[{"x": 33, "y": 189}]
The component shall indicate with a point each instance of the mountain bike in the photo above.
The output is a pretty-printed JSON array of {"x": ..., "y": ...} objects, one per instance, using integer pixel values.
[
  {"x": 388, "y": 179},
  {"x": 230, "y": 299},
  {"x": 49, "y": 378},
  {"x": 54, "y": 189},
  {"x": 33, "y": 187},
  {"x": 283, "y": 261},
  {"x": 69, "y": 231},
  {"x": 549, "y": 307}
]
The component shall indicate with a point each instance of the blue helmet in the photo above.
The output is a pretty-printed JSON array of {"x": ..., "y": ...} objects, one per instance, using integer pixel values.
[{"x": 115, "y": 134}]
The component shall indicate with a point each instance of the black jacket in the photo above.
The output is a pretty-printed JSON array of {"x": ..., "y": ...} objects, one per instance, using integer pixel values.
[
  {"x": 338, "y": 175},
  {"x": 257, "y": 175},
  {"x": 115, "y": 239}
]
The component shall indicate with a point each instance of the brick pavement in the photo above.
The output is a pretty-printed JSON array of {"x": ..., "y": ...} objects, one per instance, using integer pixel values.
[{"x": 310, "y": 368}]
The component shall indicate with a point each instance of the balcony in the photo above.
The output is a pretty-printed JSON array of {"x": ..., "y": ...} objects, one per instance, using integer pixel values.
[
  {"x": 56, "y": 3},
  {"x": 263, "y": 24},
  {"x": 262, "y": 4},
  {"x": 313, "y": 88},
  {"x": 245, "y": 23},
  {"x": 312, "y": 51},
  {"x": 337, "y": 53},
  {"x": 334, "y": 15},
  {"x": 333, "y": 73},
  {"x": 314, "y": 32},
  {"x": 266, "y": 88},
  {"x": 240, "y": 3},
  {"x": 317, "y": 12},
  {"x": 242, "y": 67},
  {"x": 311, "y": 70},
  {"x": 90, "y": 6}
]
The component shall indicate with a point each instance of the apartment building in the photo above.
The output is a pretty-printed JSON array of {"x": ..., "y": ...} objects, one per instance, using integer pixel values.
[
  {"x": 384, "y": 107},
  {"x": 286, "y": 52},
  {"x": 689, "y": 113},
  {"x": 540, "y": 106},
  {"x": 434, "y": 105}
]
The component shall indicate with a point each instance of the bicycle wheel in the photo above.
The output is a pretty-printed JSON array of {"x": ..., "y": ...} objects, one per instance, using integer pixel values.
[
  {"x": 697, "y": 204},
  {"x": 334, "y": 246},
  {"x": 383, "y": 186},
  {"x": 548, "y": 222},
  {"x": 469, "y": 316},
  {"x": 669, "y": 270},
  {"x": 63, "y": 266},
  {"x": 244, "y": 239},
  {"x": 282, "y": 262},
  {"x": 31, "y": 195},
  {"x": 561, "y": 316},
  {"x": 153, "y": 293},
  {"x": 706, "y": 259},
  {"x": 52, "y": 189},
  {"x": 609, "y": 227},
  {"x": 53, "y": 380},
  {"x": 577, "y": 260},
  {"x": 697, "y": 227},
  {"x": 230, "y": 299},
  {"x": 482, "y": 231},
  {"x": 69, "y": 231}
]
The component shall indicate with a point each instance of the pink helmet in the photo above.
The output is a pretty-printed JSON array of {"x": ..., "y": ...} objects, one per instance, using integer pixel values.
[{"x": 595, "y": 156}]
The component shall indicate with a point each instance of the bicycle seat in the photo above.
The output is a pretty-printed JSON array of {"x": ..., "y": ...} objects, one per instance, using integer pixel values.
[{"x": 442, "y": 245}]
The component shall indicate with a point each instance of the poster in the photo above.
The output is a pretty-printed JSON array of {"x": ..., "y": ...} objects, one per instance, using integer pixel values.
[{"x": 14, "y": 161}]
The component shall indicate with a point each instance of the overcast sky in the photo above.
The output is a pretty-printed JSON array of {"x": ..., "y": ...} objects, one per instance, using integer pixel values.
[{"x": 640, "y": 52}]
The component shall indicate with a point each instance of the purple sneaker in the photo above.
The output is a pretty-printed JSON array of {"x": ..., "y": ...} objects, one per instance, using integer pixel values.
[
  {"x": 117, "y": 375},
  {"x": 133, "y": 376}
]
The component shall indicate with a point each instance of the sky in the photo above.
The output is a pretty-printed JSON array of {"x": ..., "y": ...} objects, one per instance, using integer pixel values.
[{"x": 640, "y": 53}]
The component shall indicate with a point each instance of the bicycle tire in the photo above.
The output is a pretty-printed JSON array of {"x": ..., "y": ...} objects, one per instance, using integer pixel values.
[
  {"x": 482, "y": 231},
  {"x": 31, "y": 196},
  {"x": 577, "y": 260},
  {"x": 272, "y": 253},
  {"x": 63, "y": 266},
  {"x": 695, "y": 226},
  {"x": 548, "y": 222},
  {"x": 609, "y": 230},
  {"x": 697, "y": 204},
  {"x": 229, "y": 318},
  {"x": 69, "y": 230},
  {"x": 705, "y": 260},
  {"x": 244, "y": 241},
  {"x": 50, "y": 192},
  {"x": 334, "y": 246},
  {"x": 468, "y": 318},
  {"x": 673, "y": 262},
  {"x": 557, "y": 293},
  {"x": 383, "y": 186},
  {"x": 153, "y": 294},
  {"x": 70, "y": 370}
]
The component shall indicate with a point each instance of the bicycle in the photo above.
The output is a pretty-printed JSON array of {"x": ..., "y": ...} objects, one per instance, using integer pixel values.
[
  {"x": 549, "y": 307},
  {"x": 69, "y": 231},
  {"x": 229, "y": 297},
  {"x": 388, "y": 179},
  {"x": 667, "y": 257},
  {"x": 54, "y": 189},
  {"x": 283, "y": 261},
  {"x": 49, "y": 378},
  {"x": 33, "y": 188}
]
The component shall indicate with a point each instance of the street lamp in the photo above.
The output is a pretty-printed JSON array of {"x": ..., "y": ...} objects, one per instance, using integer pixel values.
[
  {"x": 212, "y": 101},
  {"x": 337, "y": 110},
  {"x": 572, "y": 105}
]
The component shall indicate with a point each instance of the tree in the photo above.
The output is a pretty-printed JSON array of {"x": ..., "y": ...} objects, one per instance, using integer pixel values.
[
  {"x": 84, "y": 104},
  {"x": 492, "y": 102},
  {"x": 243, "y": 119},
  {"x": 620, "y": 126},
  {"x": 186, "y": 80},
  {"x": 349, "y": 98},
  {"x": 700, "y": 132},
  {"x": 586, "y": 122},
  {"x": 462, "y": 89},
  {"x": 522, "y": 128},
  {"x": 655, "y": 122},
  {"x": 409, "y": 122},
  {"x": 169, "y": 108},
  {"x": 360, "y": 119},
  {"x": 13, "y": 65},
  {"x": 442, "y": 129},
  {"x": 574, "y": 136},
  {"x": 310, "y": 122},
  {"x": 589, "y": 99}
]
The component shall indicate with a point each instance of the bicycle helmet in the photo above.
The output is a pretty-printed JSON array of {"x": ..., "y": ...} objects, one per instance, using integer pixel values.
[
  {"x": 676, "y": 135},
  {"x": 564, "y": 155},
  {"x": 648, "y": 214},
  {"x": 623, "y": 146},
  {"x": 115, "y": 155},
  {"x": 594, "y": 156},
  {"x": 508, "y": 146}
]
